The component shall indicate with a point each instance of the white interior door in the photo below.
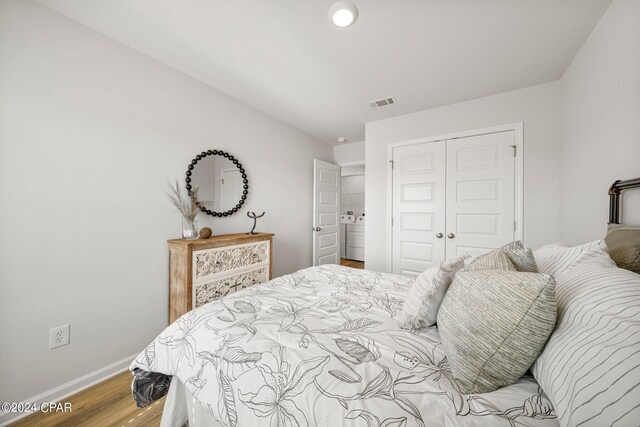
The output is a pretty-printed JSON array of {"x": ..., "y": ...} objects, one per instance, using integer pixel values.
[
  {"x": 418, "y": 215},
  {"x": 326, "y": 213},
  {"x": 480, "y": 193}
]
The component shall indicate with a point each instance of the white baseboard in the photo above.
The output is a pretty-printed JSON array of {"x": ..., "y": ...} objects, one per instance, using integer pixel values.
[{"x": 70, "y": 388}]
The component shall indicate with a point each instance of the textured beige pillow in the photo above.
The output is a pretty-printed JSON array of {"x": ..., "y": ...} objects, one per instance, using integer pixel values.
[
  {"x": 494, "y": 324},
  {"x": 521, "y": 257},
  {"x": 420, "y": 309},
  {"x": 623, "y": 242},
  {"x": 494, "y": 260}
]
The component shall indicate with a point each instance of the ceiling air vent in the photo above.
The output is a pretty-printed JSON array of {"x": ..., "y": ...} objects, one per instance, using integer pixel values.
[{"x": 383, "y": 102}]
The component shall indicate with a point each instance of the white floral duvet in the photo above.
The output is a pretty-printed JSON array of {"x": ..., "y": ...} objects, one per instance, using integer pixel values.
[{"x": 322, "y": 347}]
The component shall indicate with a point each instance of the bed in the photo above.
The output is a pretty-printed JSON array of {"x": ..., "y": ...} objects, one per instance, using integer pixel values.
[{"x": 322, "y": 347}]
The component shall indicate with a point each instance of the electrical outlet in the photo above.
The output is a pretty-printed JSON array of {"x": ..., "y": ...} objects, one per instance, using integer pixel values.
[{"x": 59, "y": 336}]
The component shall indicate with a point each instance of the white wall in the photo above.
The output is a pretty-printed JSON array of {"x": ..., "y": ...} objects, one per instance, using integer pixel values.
[
  {"x": 89, "y": 132},
  {"x": 352, "y": 191},
  {"x": 601, "y": 123},
  {"x": 538, "y": 107},
  {"x": 348, "y": 153},
  {"x": 352, "y": 184},
  {"x": 355, "y": 170}
]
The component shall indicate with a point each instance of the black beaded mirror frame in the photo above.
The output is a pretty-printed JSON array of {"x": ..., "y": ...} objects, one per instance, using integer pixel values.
[{"x": 245, "y": 181}]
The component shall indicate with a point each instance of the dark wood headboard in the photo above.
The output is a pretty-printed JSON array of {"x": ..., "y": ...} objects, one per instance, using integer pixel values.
[{"x": 615, "y": 196}]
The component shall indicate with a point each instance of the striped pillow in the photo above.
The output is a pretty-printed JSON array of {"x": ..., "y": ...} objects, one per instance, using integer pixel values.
[
  {"x": 590, "y": 368},
  {"x": 555, "y": 258}
]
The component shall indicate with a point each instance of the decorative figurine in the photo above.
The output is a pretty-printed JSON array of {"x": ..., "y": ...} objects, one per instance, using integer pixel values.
[
  {"x": 205, "y": 233},
  {"x": 255, "y": 220}
]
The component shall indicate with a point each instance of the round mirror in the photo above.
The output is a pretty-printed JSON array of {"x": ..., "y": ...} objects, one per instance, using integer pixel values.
[{"x": 221, "y": 182}]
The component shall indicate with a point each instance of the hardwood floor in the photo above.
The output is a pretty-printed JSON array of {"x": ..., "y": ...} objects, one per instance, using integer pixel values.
[
  {"x": 106, "y": 404},
  {"x": 351, "y": 263}
]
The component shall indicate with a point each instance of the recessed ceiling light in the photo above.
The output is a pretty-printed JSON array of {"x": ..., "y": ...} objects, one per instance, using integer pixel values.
[{"x": 343, "y": 13}]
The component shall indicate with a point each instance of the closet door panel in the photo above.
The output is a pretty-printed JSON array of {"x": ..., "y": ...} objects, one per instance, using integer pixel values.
[
  {"x": 418, "y": 207},
  {"x": 480, "y": 193}
]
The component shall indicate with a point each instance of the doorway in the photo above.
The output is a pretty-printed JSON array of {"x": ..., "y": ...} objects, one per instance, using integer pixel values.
[
  {"x": 338, "y": 214},
  {"x": 352, "y": 215}
]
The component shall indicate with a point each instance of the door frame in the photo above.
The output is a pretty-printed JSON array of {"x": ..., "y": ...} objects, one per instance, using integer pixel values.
[
  {"x": 342, "y": 166},
  {"x": 518, "y": 130}
]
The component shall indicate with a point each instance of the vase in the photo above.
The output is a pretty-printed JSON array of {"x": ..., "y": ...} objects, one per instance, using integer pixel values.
[{"x": 189, "y": 229}]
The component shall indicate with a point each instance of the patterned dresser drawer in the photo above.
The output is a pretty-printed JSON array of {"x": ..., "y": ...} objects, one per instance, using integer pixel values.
[
  {"x": 207, "y": 292},
  {"x": 210, "y": 262}
]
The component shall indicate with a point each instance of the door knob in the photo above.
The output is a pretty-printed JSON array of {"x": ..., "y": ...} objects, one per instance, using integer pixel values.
[
  {"x": 439, "y": 235},
  {"x": 451, "y": 235},
  {"x": 318, "y": 229}
]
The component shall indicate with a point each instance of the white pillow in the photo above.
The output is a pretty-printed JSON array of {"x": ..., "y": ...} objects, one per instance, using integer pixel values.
[
  {"x": 555, "y": 258},
  {"x": 590, "y": 367},
  {"x": 420, "y": 309}
]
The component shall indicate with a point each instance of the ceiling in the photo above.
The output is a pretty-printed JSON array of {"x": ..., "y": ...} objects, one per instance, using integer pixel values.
[{"x": 285, "y": 58}]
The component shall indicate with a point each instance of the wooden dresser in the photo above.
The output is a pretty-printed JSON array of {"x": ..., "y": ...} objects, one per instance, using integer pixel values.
[{"x": 205, "y": 269}]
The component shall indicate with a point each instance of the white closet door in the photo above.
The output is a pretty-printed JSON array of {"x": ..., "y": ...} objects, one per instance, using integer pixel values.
[
  {"x": 418, "y": 207},
  {"x": 480, "y": 193}
]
